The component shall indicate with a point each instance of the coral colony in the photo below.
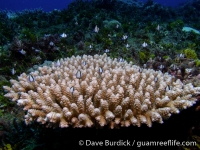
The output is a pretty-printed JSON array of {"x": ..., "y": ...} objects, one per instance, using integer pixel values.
[{"x": 97, "y": 91}]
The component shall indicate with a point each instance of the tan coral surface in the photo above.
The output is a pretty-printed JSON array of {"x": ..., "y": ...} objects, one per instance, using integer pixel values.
[{"x": 97, "y": 91}]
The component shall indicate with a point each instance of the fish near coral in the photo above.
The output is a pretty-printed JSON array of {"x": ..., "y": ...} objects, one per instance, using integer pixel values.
[
  {"x": 23, "y": 52},
  {"x": 63, "y": 35},
  {"x": 93, "y": 91},
  {"x": 13, "y": 71},
  {"x": 144, "y": 45},
  {"x": 96, "y": 29}
]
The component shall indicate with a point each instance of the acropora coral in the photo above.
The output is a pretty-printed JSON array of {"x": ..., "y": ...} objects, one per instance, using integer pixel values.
[{"x": 97, "y": 91}]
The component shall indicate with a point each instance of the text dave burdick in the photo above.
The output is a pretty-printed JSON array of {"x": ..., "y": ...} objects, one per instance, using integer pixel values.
[{"x": 135, "y": 143}]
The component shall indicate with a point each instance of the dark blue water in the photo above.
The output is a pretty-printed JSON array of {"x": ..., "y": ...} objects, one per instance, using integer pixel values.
[
  {"x": 46, "y": 5},
  {"x": 172, "y": 3},
  {"x": 49, "y": 5}
]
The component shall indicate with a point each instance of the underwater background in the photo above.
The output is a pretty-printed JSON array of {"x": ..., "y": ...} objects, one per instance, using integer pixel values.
[
  {"x": 163, "y": 35},
  {"x": 19, "y": 5}
]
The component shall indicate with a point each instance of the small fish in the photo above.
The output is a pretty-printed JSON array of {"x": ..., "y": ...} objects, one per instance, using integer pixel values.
[
  {"x": 58, "y": 63},
  {"x": 84, "y": 63},
  {"x": 100, "y": 70},
  {"x": 124, "y": 37},
  {"x": 188, "y": 70},
  {"x": 181, "y": 55},
  {"x": 90, "y": 46},
  {"x": 159, "y": 58},
  {"x": 140, "y": 70},
  {"x": 144, "y": 44},
  {"x": 156, "y": 79},
  {"x": 78, "y": 74},
  {"x": 106, "y": 51},
  {"x": 13, "y": 71},
  {"x": 72, "y": 89},
  {"x": 158, "y": 28},
  {"x": 22, "y": 52},
  {"x": 117, "y": 26},
  {"x": 47, "y": 35},
  {"x": 37, "y": 50},
  {"x": 120, "y": 59},
  {"x": 31, "y": 78},
  {"x": 51, "y": 43},
  {"x": 145, "y": 65},
  {"x": 173, "y": 67},
  {"x": 167, "y": 88},
  {"x": 63, "y": 35},
  {"x": 161, "y": 67},
  {"x": 127, "y": 45},
  {"x": 76, "y": 23},
  {"x": 96, "y": 29}
]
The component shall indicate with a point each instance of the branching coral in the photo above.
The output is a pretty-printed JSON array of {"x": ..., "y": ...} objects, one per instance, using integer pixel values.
[{"x": 97, "y": 91}]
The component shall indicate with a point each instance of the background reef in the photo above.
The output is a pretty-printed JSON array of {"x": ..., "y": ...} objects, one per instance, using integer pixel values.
[{"x": 148, "y": 34}]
